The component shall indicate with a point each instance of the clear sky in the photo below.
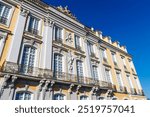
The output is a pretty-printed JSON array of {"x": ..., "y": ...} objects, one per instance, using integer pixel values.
[{"x": 127, "y": 21}]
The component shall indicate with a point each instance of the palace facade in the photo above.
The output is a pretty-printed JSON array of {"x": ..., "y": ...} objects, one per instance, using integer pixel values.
[{"x": 47, "y": 54}]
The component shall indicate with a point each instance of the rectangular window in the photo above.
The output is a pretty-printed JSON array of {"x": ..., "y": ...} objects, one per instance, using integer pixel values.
[
  {"x": 57, "y": 65},
  {"x": 28, "y": 59},
  {"x": 108, "y": 75},
  {"x": 79, "y": 69},
  {"x": 129, "y": 81},
  {"x": 33, "y": 25},
  {"x": 90, "y": 49},
  {"x": 124, "y": 62},
  {"x": 95, "y": 73},
  {"x": 114, "y": 58},
  {"x": 120, "y": 83},
  {"x": 104, "y": 55},
  {"x": 77, "y": 42},
  {"x": 58, "y": 34},
  {"x": 4, "y": 13}
]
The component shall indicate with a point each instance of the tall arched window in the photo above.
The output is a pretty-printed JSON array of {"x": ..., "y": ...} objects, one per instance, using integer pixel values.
[
  {"x": 57, "y": 65},
  {"x": 59, "y": 97},
  {"x": 23, "y": 96},
  {"x": 28, "y": 59},
  {"x": 84, "y": 97}
]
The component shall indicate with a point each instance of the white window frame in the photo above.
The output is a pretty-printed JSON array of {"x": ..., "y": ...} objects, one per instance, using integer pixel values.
[
  {"x": 129, "y": 81},
  {"x": 104, "y": 55},
  {"x": 119, "y": 79},
  {"x": 10, "y": 13},
  {"x": 22, "y": 51},
  {"x": 60, "y": 30},
  {"x": 24, "y": 93},
  {"x": 80, "y": 75},
  {"x": 79, "y": 40},
  {"x": 109, "y": 80},
  {"x": 84, "y": 97},
  {"x": 114, "y": 57},
  {"x": 95, "y": 71},
  {"x": 59, "y": 94}
]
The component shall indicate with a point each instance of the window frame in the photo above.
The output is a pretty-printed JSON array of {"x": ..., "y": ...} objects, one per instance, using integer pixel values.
[
  {"x": 85, "y": 97},
  {"x": 24, "y": 95},
  {"x": 59, "y": 94},
  {"x": 11, "y": 10}
]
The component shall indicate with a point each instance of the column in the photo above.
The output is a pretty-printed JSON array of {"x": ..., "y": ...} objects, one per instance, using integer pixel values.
[
  {"x": 13, "y": 53},
  {"x": 46, "y": 54}
]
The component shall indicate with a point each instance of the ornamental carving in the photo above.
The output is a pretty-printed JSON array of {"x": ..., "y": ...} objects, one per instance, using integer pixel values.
[
  {"x": 70, "y": 62},
  {"x": 48, "y": 22},
  {"x": 69, "y": 37},
  {"x": 24, "y": 12},
  {"x": 66, "y": 11}
]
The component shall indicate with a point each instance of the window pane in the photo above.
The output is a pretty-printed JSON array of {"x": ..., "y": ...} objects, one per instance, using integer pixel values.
[
  {"x": 79, "y": 69},
  {"x": 95, "y": 74}
]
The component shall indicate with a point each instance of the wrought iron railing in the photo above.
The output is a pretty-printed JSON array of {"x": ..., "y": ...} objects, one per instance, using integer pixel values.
[
  {"x": 55, "y": 75},
  {"x": 3, "y": 20}
]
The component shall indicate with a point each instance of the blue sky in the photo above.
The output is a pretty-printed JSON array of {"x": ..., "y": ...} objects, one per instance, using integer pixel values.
[{"x": 127, "y": 21}]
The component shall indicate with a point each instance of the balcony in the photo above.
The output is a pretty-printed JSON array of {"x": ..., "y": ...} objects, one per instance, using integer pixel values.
[
  {"x": 33, "y": 31},
  {"x": 3, "y": 20},
  {"x": 133, "y": 91},
  {"x": 33, "y": 72}
]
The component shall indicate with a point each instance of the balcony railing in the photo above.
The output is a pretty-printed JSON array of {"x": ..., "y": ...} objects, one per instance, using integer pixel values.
[
  {"x": 33, "y": 31},
  {"x": 3, "y": 20},
  {"x": 13, "y": 68}
]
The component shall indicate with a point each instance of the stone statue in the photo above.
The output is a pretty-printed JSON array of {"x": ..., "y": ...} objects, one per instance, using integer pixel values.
[{"x": 70, "y": 62}]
